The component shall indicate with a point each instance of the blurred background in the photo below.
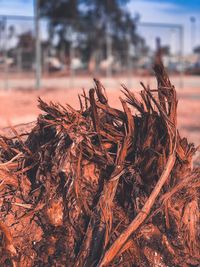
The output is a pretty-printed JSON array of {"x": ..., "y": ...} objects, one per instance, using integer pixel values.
[{"x": 53, "y": 49}]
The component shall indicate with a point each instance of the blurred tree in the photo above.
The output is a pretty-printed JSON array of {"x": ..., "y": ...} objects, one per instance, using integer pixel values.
[
  {"x": 196, "y": 50},
  {"x": 86, "y": 24},
  {"x": 63, "y": 16},
  {"x": 109, "y": 18},
  {"x": 27, "y": 41},
  {"x": 26, "y": 44},
  {"x": 165, "y": 50},
  {"x": 11, "y": 31}
]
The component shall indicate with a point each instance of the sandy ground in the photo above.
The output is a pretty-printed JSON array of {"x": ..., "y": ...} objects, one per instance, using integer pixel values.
[
  {"x": 62, "y": 81},
  {"x": 20, "y": 105}
]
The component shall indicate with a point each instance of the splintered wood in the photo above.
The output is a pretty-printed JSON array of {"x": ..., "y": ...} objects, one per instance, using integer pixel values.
[{"x": 100, "y": 186}]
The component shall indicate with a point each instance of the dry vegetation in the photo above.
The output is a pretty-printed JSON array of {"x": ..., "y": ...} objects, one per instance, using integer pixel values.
[{"x": 101, "y": 187}]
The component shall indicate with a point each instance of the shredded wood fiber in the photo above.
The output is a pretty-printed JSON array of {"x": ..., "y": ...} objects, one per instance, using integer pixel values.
[{"x": 100, "y": 186}]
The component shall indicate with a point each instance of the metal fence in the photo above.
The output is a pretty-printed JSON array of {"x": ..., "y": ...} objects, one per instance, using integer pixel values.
[
  {"x": 17, "y": 51},
  {"x": 30, "y": 55}
]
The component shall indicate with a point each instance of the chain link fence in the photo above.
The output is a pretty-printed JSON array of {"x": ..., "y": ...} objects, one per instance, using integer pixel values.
[
  {"x": 17, "y": 51},
  {"x": 65, "y": 54}
]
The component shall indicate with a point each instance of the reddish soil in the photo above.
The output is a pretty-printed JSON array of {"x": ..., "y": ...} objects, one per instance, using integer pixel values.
[{"x": 20, "y": 106}]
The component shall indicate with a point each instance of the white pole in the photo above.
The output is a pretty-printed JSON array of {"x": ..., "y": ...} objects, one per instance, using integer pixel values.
[
  {"x": 37, "y": 45},
  {"x": 193, "y": 32},
  {"x": 108, "y": 50},
  {"x": 6, "y": 54},
  {"x": 181, "y": 29}
]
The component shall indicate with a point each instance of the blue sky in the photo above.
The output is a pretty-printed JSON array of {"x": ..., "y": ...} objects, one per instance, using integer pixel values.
[
  {"x": 16, "y": 7},
  {"x": 164, "y": 11},
  {"x": 25, "y": 7},
  {"x": 184, "y": 5}
]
